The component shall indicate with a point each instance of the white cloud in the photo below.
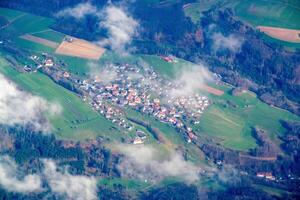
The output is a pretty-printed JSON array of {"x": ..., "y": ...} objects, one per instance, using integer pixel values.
[
  {"x": 232, "y": 42},
  {"x": 73, "y": 187},
  {"x": 21, "y": 108},
  {"x": 121, "y": 27},
  {"x": 79, "y": 11},
  {"x": 189, "y": 80},
  {"x": 104, "y": 75},
  {"x": 12, "y": 180},
  {"x": 143, "y": 162}
]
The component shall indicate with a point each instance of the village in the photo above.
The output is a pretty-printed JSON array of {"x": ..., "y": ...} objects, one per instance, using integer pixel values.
[
  {"x": 135, "y": 87},
  {"x": 145, "y": 91}
]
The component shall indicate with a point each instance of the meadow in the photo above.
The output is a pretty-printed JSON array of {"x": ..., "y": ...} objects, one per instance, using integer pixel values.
[{"x": 77, "y": 121}]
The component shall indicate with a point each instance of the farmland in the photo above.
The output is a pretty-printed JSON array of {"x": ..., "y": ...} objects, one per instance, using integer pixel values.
[
  {"x": 80, "y": 48},
  {"x": 77, "y": 121},
  {"x": 50, "y": 35},
  {"x": 288, "y": 35},
  {"x": 284, "y": 14},
  {"x": 279, "y": 14},
  {"x": 34, "y": 33}
]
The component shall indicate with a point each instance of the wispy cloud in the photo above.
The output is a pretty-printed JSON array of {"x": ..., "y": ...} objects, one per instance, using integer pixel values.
[
  {"x": 70, "y": 186},
  {"x": 79, "y": 11},
  {"x": 232, "y": 42},
  {"x": 21, "y": 108},
  {"x": 101, "y": 74},
  {"x": 189, "y": 80},
  {"x": 121, "y": 28},
  {"x": 12, "y": 180},
  {"x": 115, "y": 19},
  {"x": 143, "y": 162}
]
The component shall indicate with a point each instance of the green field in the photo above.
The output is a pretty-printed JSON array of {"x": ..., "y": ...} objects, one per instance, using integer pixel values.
[
  {"x": 230, "y": 118},
  {"x": 23, "y": 23},
  {"x": 77, "y": 121},
  {"x": 277, "y": 13},
  {"x": 195, "y": 10},
  {"x": 32, "y": 46},
  {"x": 10, "y": 14},
  {"x": 130, "y": 184},
  {"x": 29, "y": 24},
  {"x": 50, "y": 35}
]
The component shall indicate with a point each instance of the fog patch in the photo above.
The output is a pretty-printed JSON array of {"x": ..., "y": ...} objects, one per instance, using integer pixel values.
[
  {"x": 12, "y": 179},
  {"x": 79, "y": 11},
  {"x": 232, "y": 42},
  {"x": 104, "y": 74},
  {"x": 120, "y": 26},
  {"x": 143, "y": 162},
  {"x": 189, "y": 80},
  {"x": 21, "y": 108},
  {"x": 69, "y": 186}
]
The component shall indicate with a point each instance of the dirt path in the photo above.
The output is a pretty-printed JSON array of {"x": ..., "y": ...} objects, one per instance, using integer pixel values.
[
  {"x": 12, "y": 21},
  {"x": 259, "y": 158},
  {"x": 40, "y": 40},
  {"x": 212, "y": 90}
]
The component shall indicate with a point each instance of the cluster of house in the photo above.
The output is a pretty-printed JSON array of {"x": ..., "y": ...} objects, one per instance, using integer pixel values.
[
  {"x": 140, "y": 88},
  {"x": 266, "y": 175},
  {"x": 145, "y": 91}
]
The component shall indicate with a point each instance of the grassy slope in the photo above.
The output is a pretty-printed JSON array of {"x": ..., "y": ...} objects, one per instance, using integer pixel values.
[
  {"x": 77, "y": 121},
  {"x": 232, "y": 125}
]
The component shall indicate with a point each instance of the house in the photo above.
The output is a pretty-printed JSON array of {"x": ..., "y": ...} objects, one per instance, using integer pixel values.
[
  {"x": 138, "y": 140},
  {"x": 167, "y": 59},
  {"x": 48, "y": 63},
  {"x": 267, "y": 175},
  {"x": 66, "y": 74}
]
